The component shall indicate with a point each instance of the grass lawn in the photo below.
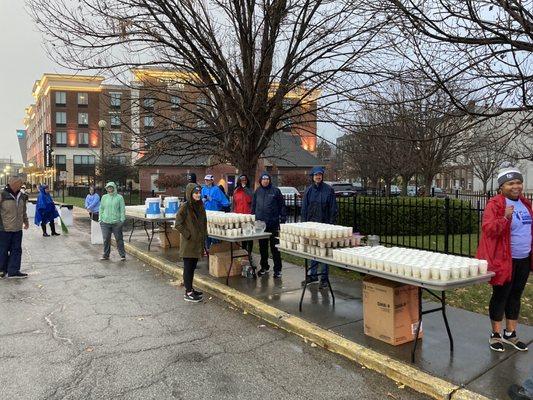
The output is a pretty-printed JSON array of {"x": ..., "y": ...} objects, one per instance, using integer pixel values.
[
  {"x": 75, "y": 201},
  {"x": 465, "y": 244},
  {"x": 473, "y": 298}
]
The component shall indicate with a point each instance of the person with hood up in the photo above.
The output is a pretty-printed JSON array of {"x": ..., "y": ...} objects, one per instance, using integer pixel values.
[
  {"x": 214, "y": 200},
  {"x": 506, "y": 238},
  {"x": 92, "y": 204},
  {"x": 111, "y": 217},
  {"x": 45, "y": 211},
  {"x": 268, "y": 206},
  {"x": 319, "y": 205},
  {"x": 242, "y": 204},
  {"x": 13, "y": 218},
  {"x": 191, "y": 177},
  {"x": 191, "y": 222}
]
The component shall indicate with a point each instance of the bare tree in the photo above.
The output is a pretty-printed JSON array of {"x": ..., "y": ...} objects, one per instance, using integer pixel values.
[
  {"x": 242, "y": 71},
  {"x": 485, "y": 44}
]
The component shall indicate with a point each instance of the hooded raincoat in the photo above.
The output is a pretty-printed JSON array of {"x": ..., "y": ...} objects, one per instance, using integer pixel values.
[
  {"x": 112, "y": 207},
  {"x": 268, "y": 205},
  {"x": 319, "y": 203},
  {"x": 242, "y": 198},
  {"x": 191, "y": 223},
  {"x": 45, "y": 211}
]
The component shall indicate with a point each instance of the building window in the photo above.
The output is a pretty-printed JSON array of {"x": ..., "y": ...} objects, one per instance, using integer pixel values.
[
  {"x": 61, "y": 160},
  {"x": 115, "y": 100},
  {"x": 82, "y": 180},
  {"x": 149, "y": 103},
  {"x": 153, "y": 186},
  {"x": 83, "y": 119},
  {"x": 115, "y": 121},
  {"x": 61, "y": 139},
  {"x": 83, "y": 139},
  {"x": 118, "y": 160},
  {"x": 84, "y": 160},
  {"x": 83, "y": 99},
  {"x": 149, "y": 121},
  {"x": 61, "y": 118},
  {"x": 116, "y": 139},
  {"x": 174, "y": 102},
  {"x": 61, "y": 98}
]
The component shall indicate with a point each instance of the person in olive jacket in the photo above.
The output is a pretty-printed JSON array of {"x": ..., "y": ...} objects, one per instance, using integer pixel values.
[
  {"x": 191, "y": 222},
  {"x": 268, "y": 206}
]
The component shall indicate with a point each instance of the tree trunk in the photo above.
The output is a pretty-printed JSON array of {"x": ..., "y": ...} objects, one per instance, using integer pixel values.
[{"x": 405, "y": 183}]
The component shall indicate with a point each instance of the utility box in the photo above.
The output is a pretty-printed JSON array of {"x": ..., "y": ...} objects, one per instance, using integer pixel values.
[{"x": 390, "y": 310}]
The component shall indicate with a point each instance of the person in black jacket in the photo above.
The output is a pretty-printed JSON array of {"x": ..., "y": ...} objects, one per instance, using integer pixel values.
[
  {"x": 268, "y": 206},
  {"x": 319, "y": 205}
]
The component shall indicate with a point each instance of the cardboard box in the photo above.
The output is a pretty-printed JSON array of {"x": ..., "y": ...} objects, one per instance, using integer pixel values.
[
  {"x": 173, "y": 236},
  {"x": 390, "y": 310},
  {"x": 219, "y": 263}
]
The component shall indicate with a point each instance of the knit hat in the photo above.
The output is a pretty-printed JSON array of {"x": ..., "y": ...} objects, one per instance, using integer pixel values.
[
  {"x": 509, "y": 174},
  {"x": 317, "y": 170}
]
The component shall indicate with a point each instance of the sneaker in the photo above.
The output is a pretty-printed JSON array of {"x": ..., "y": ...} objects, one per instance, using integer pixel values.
[
  {"x": 262, "y": 272},
  {"x": 310, "y": 280},
  {"x": 495, "y": 342},
  {"x": 192, "y": 297},
  {"x": 56, "y": 234},
  {"x": 277, "y": 275},
  {"x": 46, "y": 235},
  {"x": 517, "y": 392},
  {"x": 198, "y": 293},
  {"x": 512, "y": 340},
  {"x": 122, "y": 258},
  {"x": 104, "y": 258},
  {"x": 3, "y": 274},
  {"x": 17, "y": 275},
  {"x": 323, "y": 285}
]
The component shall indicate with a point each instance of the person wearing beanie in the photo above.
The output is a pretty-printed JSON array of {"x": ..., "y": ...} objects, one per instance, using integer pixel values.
[
  {"x": 506, "y": 238},
  {"x": 242, "y": 204},
  {"x": 214, "y": 200},
  {"x": 319, "y": 204},
  {"x": 191, "y": 222},
  {"x": 191, "y": 177},
  {"x": 268, "y": 206}
]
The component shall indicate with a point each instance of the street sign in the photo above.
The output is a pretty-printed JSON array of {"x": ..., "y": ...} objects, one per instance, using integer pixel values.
[
  {"x": 63, "y": 176},
  {"x": 48, "y": 163}
]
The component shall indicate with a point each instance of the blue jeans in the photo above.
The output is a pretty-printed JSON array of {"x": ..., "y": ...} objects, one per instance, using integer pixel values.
[
  {"x": 314, "y": 269},
  {"x": 116, "y": 230},
  {"x": 10, "y": 251}
]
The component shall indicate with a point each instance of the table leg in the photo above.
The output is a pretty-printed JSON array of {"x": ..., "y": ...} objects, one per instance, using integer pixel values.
[
  {"x": 151, "y": 238},
  {"x": 330, "y": 290},
  {"x": 146, "y": 230},
  {"x": 230, "y": 263},
  {"x": 443, "y": 304},
  {"x": 305, "y": 285},
  {"x": 132, "y": 229},
  {"x": 420, "y": 313}
]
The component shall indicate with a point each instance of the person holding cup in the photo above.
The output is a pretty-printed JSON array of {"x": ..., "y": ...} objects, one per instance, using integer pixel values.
[{"x": 506, "y": 237}]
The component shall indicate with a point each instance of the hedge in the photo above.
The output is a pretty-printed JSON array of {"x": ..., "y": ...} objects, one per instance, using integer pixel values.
[{"x": 408, "y": 216}]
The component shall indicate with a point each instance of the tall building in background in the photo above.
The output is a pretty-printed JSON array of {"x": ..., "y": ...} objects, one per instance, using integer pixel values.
[
  {"x": 22, "y": 139},
  {"x": 62, "y": 128}
]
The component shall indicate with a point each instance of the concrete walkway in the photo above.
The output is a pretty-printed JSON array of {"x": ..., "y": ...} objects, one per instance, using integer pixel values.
[
  {"x": 80, "y": 328},
  {"x": 472, "y": 365}
]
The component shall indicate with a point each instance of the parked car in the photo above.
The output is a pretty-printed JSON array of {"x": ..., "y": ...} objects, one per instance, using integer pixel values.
[
  {"x": 411, "y": 191},
  {"x": 395, "y": 190},
  {"x": 359, "y": 189},
  {"x": 291, "y": 195},
  {"x": 438, "y": 193},
  {"x": 343, "y": 189}
]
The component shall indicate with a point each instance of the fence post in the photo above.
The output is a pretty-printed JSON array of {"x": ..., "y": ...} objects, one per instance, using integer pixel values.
[
  {"x": 456, "y": 193},
  {"x": 354, "y": 210},
  {"x": 446, "y": 224}
]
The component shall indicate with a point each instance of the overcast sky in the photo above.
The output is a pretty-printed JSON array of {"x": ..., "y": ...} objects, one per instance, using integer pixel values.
[{"x": 23, "y": 61}]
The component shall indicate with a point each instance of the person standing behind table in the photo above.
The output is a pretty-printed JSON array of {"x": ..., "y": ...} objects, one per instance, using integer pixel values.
[
  {"x": 111, "y": 217},
  {"x": 268, "y": 206},
  {"x": 45, "y": 211},
  {"x": 242, "y": 204},
  {"x": 191, "y": 222},
  {"x": 505, "y": 243},
  {"x": 319, "y": 204},
  {"x": 191, "y": 177},
  {"x": 12, "y": 219},
  {"x": 214, "y": 200},
  {"x": 92, "y": 204}
]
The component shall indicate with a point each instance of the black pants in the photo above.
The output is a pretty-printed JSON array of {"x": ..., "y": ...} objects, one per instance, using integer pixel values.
[
  {"x": 189, "y": 265},
  {"x": 248, "y": 246},
  {"x": 52, "y": 227},
  {"x": 506, "y": 298},
  {"x": 263, "y": 249}
]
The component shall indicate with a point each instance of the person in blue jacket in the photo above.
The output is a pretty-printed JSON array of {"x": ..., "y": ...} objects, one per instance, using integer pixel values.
[
  {"x": 319, "y": 205},
  {"x": 214, "y": 200},
  {"x": 45, "y": 211},
  {"x": 268, "y": 206},
  {"x": 92, "y": 204}
]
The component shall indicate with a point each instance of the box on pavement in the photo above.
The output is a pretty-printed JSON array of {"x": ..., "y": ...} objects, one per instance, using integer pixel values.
[
  {"x": 390, "y": 310},
  {"x": 173, "y": 236},
  {"x": 219, "y": 262}
]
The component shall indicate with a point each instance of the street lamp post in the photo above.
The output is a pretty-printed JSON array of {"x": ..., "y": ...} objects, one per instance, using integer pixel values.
[{"x": 102, "y": 124}]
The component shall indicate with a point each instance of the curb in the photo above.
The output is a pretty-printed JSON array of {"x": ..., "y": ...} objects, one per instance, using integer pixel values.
[{"x": 396, "y": 370}]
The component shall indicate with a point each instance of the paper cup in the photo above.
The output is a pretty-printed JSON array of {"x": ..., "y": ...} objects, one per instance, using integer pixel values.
[
  {"x": 425, "y": 273},
  {"x": 456, "y": 272},
  {"x": 435, "y": 272},
  {"x": 416, "y": 271},
  {"x": 445, "y": 274},
  {"x": 394, "y": 267},
  {"x": 474, "y": 269},
  {"x": 407, "y": 270},
  {"x": 464, "y": 271},
  {"x": 483, "y": 266}
]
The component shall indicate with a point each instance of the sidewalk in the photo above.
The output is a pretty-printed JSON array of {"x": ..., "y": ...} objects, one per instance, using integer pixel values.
[{"x": 472, "y": 365}]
